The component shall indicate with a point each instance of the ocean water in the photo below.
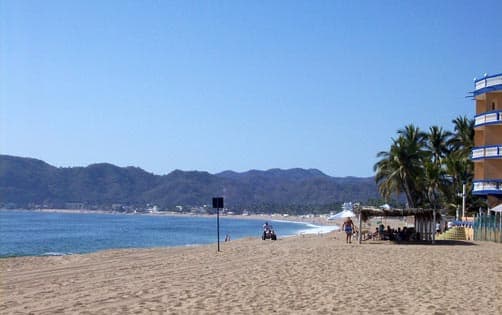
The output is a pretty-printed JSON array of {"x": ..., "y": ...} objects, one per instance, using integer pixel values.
[{"x": 31, "y": 233}]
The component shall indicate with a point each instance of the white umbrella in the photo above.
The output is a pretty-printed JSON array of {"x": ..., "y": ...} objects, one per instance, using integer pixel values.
[
  {"x": 342, "y": 215},
  {"x": 497, "y": 208},
  {"x": 385, "y": 206}
]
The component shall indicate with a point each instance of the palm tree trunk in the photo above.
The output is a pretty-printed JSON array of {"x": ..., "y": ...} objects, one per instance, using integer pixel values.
[{"x": 409, "y": 197}]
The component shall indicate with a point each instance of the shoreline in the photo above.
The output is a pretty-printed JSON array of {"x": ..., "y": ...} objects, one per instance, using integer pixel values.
[{"x": 318, "y": 221}]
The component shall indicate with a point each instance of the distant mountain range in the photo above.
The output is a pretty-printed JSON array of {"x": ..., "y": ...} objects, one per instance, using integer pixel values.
[{"x": 27, "y": 182}]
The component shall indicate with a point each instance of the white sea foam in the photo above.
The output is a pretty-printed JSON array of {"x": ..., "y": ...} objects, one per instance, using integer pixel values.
[
  {"x": 312, "y": 228},
  {"x": 319, "y": 229},
  {"x": 55, "y": 254}
]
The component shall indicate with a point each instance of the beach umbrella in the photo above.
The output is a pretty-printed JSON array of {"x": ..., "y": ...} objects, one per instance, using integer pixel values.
[
  {"x": 385, "y": 206},
  {"x": 342, "y": 215},
  {"x": 497, "y": 208}
]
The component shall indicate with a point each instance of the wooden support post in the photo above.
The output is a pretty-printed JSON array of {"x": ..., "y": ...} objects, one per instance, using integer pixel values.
[
  {"x": 500, "y": 227},
  {"x": 415, "y": 224},
  {"x": 434, "y": 226},
  {"x": 418, "y": 227},
  {"x": 360, "y": 227}
]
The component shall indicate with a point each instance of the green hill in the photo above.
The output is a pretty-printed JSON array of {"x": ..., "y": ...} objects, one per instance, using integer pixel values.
[{"x": 27, "y": 182}]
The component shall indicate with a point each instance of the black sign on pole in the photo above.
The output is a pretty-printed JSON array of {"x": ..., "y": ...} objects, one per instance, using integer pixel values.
[{"x": 218, "y": 204}]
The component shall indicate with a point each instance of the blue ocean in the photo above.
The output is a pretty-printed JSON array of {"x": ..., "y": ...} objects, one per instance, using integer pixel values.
[{"x": 33, "y": 233}]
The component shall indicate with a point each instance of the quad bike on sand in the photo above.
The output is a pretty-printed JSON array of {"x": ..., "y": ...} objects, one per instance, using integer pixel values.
[{"x": 269, "y": 234}]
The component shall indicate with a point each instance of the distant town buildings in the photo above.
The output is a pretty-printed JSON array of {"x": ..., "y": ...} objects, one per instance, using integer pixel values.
[{"x": 487, "y": 151}]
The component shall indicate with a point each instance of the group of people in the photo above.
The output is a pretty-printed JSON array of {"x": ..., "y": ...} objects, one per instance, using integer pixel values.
[
  {"x": 401, "y": 234},
  {"x": 404, "y": 234}
]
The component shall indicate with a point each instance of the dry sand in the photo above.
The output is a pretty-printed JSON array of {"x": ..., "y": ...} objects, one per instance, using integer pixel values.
[{"x": 309, "y": 275}]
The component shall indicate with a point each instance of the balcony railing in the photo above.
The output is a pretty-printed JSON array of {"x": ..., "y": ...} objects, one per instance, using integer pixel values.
[
  {"x": 488, "y": 81},
  {"x": 488, "y": 152},
  {"x": 487, "y": 187},
  {"x": 494, "y": 117}
]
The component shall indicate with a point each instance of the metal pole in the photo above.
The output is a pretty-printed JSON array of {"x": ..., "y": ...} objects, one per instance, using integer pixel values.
[
  {"x": 463, "y": 201},
  {"x": 218, "y": 204},
  {"x": 218, "y": 225}
]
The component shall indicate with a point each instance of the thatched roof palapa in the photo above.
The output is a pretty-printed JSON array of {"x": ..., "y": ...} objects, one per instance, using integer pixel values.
[{"x": 368, "y": 212}]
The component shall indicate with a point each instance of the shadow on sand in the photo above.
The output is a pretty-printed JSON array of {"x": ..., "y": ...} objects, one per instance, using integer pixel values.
[{"x": 437, "y": 243}]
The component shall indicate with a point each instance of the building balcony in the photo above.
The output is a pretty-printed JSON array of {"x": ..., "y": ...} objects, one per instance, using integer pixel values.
[
  {"x": 487, "y": 152},
  {"x": 488, "y": 84},
  {"x": 488, "y": 118},
  {"x": 487, "y": 187}
]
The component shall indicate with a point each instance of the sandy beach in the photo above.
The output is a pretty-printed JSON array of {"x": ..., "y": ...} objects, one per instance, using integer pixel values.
[{"x": 309, "y": 274}]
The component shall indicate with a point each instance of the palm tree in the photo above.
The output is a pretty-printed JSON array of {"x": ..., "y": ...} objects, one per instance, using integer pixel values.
[
  {"x": 401, "y": 169},
  {"x": 434, "y": 171},
  {"x": 463, "y": 137},
  {"x": 429, "y": 169},
  {"x": 435, "y": 183},
  {"x": 462, "y": 143},
  {"x": 388, "y": 176},
  {"x": 437, "y": 144}
]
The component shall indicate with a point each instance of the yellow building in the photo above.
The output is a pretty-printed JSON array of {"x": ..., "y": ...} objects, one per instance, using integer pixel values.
[{"x": 487, "y": 151}]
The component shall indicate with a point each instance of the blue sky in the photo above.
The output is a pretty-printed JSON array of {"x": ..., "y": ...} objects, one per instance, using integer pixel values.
[{"x": 217, "y": 85}]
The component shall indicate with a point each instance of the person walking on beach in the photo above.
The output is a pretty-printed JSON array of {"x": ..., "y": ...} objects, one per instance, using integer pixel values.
[{"x": 348, "y": 227}]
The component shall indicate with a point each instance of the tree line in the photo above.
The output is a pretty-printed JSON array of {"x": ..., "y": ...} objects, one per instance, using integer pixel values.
[{"x": 429, "y": 167}]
